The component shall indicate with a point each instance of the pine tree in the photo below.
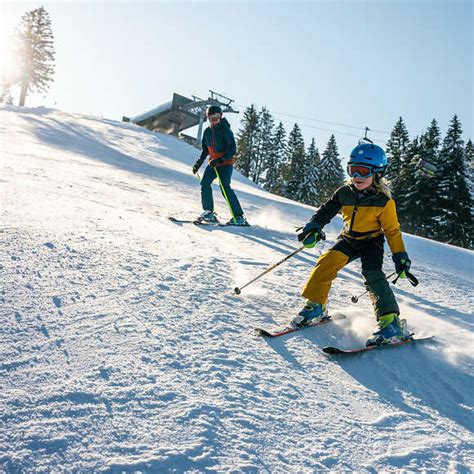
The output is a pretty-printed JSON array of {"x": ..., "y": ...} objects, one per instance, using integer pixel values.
[
  {"x": 454, "y": 212},
  {"x": 6, "y": 95},
  {"x": 276, "y": 165},
  {"x": 427, "y": 187},
  {"x": 296, "y": 157},
  {"x": 247, "y": 141},
  {"x": 36, "y": 52},
  {"x": 408, "y": 197},
  {"x": 263, "y": 146},
  {"x": 309, "y": 190},
  {"x": 396, "y": 149},
  {"x": 469, "y": 156},
  {"x": 332, "y": 175}
]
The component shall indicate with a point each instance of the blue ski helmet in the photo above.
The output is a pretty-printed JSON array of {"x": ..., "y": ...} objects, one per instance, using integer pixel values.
[{"x": 371, "y": 155}]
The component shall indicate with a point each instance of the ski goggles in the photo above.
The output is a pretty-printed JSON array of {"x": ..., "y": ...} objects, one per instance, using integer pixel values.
[
  {"x": 214, "y": 117},
  {"x": 359, "y": 171}
]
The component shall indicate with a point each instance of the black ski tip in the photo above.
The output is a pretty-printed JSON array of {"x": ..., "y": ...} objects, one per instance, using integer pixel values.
[
  {"x": 262, "y": 332},
  {"x": 332, "y": 350},
  {"x": 179, "y": 221}
]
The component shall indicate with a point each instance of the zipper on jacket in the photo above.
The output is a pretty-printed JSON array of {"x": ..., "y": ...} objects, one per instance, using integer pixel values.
[
  {"x": 213, "y": 138},
  {"x": 354, "y": 212}
]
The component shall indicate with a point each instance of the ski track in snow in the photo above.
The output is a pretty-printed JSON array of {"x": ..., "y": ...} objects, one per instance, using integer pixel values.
[{"x": 124, "y": 348}]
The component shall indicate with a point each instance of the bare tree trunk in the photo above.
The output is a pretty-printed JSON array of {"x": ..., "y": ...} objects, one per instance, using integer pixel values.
[{"x": 24, "y": 90}]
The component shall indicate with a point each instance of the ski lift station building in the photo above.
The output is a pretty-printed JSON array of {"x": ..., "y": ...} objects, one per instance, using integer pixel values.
[{"x": 181, "y": 113}]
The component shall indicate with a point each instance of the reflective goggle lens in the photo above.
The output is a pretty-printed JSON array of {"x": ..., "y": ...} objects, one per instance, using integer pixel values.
[
  {"x": 214, "y": 117},
  {"x": 359, "y": 170}
]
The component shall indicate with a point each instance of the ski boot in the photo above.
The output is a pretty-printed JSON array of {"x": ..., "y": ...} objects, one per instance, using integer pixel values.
[
  {"x": 390, "y": 329},
  {"x": 310, "y": 313},
  {"x": 239, "y": 221},
  {"x": 208, "y": 217}
]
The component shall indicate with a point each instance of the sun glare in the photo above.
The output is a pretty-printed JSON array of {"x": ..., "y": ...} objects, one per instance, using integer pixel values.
[{"x": 9, "y": 64}]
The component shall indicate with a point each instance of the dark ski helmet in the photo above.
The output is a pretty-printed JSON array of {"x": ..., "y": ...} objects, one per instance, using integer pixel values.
[
  {"x": 370, "y": 155},
  {"x": 213, "y": 109}
]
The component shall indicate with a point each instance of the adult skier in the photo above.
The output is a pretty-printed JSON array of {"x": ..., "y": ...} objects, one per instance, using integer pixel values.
[
  {"x": 218, "y": 142},
  {"x": 369, "y": 214}
]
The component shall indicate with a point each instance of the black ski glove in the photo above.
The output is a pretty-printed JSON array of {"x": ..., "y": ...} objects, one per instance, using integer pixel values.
[
  {"x": 311, "y": 234},
  {"x": 217, "y": 161},
  {"x": 402, "y": 263},
  {"x": 402, "y": 267},
  {"x": 197, "y": 165}
]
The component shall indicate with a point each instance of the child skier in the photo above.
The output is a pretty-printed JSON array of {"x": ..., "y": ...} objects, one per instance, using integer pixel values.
[
  {"x": 369, "y": 213},
  {"x": 218, "y": 142}
]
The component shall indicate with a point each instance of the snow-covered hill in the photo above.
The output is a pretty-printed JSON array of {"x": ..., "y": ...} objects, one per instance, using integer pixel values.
[{"x": 124, "y": 348}]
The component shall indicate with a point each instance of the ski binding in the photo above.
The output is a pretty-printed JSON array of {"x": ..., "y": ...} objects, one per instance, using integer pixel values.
[
  {"x": 289, "y": 329},
  {"x": 203, "y": 223}
]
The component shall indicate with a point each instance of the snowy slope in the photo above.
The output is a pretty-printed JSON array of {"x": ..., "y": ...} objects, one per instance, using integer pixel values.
[{"x": 124, "y": 348}]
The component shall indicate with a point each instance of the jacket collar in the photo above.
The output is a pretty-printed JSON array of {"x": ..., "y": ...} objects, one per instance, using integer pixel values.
[
  {"x": 221, "y": 125},
  {"x": 365, "y": 192}
]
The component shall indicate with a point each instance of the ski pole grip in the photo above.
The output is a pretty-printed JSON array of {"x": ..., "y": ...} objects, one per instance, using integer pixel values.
[{"x": 412, "y": 278}]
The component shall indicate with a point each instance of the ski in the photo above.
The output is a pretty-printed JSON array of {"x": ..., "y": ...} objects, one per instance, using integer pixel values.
[
  {"x": 337, "y": 351},
  {"x": 289, "y": 330},
  {"x": 210, "y": 224},
  {"x": 180, "y": 221},
  {"x": 195, "y": 222},
  {"x": 200, "y": 223},
  {"x": 237, "y": 225}
]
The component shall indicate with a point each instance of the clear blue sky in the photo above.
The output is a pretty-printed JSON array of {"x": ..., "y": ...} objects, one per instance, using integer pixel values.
[{"x": 351, "y": 62}]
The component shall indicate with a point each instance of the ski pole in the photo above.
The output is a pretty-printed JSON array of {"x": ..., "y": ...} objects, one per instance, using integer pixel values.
[
  {"x": 410, "y": 277},
  {"x": 237, "y": 290},
  {"x": 355, "y": 299},
  {"x": 225, "y": 195}
]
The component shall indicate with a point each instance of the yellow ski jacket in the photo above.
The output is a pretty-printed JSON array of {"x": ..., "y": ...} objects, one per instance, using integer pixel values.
[{"x": 367, "y": 214}]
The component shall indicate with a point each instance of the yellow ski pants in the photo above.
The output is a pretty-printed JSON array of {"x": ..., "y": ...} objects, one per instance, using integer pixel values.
[{"x": 342, "y": 252}]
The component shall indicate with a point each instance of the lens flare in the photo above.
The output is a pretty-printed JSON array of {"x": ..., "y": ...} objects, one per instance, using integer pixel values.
[{"x": 9, "y": 64}]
